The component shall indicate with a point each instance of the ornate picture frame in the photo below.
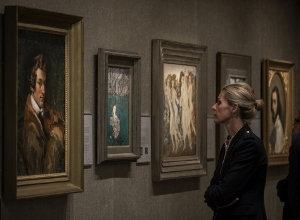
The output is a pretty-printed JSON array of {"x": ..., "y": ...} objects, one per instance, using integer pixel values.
[
  {"x": 118, "y": 106},
  {"x": 178, "y": 120},
  {"x": 42, "y": 156},
  {"x": 278, "y": 112},
  {"x": 231, "y": 68}
]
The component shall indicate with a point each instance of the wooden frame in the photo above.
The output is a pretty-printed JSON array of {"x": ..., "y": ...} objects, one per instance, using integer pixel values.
[
  {"x": 278, "y": 81},
  {"x": 59, "y": 38},
  {"x": 118, "y": 133},
  {"x": 1, "y": 101},
  {"x": 230, "y": 68},
  {"x": 178, "y": 146}
]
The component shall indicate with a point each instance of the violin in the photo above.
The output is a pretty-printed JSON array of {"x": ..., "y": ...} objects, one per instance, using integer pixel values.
[{"x": 53, "y": 121}]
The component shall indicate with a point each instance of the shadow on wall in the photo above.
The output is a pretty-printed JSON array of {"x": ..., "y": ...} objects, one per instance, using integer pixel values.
[
  {"x": 175, "y": 186},
  {"x": 276, "y": 172},
  {"x": 113, "y": 169},
  {"x": 27, "y": 209}
]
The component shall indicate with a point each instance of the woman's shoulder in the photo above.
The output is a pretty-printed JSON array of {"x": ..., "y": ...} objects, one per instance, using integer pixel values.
[
  {"x": 248, "y": 134},
  {"x": 251, "y": 136},
  {"x": 248, "y": 138}
]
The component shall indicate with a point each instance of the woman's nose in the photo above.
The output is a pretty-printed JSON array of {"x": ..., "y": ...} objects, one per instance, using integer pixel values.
[{"x": 213, "y": 107}]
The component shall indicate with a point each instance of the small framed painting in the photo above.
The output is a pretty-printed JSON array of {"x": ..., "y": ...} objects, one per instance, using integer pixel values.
[{"x": 118, "y": 107}]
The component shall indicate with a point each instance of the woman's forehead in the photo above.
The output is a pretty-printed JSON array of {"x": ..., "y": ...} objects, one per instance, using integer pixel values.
[{"x": 222, "y": 95}]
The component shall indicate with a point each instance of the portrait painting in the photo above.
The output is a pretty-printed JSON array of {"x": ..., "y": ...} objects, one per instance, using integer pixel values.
[
  {"x": 179, "y": 110},
  {"x": 43, "y": 103},
  {"x": 277, "y": 116},
  {"x": 118, "y": 107},
  {"x": 178, "y": 121},
  {"x": 278, "y": 111}
]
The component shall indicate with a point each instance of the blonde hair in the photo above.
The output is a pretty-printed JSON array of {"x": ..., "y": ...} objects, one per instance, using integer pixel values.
[{"x": 243, "y": 95}]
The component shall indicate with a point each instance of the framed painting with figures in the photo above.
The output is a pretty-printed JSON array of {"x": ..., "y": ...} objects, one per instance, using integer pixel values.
[{"x": 178, "y": 110}]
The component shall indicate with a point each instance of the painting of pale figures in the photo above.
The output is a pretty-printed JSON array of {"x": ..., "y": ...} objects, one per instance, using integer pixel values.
[
  {"x": 179, "y": 110},
  {"x": 118, "y": 107}
]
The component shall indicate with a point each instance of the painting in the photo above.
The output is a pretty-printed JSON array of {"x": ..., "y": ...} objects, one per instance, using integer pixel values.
[
  {"x": 41, "y": 56},
  {"x": 278, "y": 87},
  {"x": 118, "y": 106},
  {"x": 178, "y": 110},
  {"x": 231, "y": 68},
  {"x": 47, "y": 48}
]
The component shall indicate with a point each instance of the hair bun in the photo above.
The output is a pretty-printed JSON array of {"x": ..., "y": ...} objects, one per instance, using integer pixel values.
[{"x": 259, "y": 104}]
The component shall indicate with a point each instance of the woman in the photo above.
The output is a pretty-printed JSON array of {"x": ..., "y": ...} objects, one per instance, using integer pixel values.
[{"x": 236, "y": 190}]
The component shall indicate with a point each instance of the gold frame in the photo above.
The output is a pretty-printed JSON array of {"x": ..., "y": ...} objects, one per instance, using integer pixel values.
[
  {"x": 70, "y": 181},
  {"x": 277, "y": 73},
  {"x": 178, "y": 166}
]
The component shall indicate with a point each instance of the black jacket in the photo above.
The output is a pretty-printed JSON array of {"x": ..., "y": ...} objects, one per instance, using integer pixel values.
[
  {"x": 288, "y": 189},
  {"x": 243, "y": 176}
]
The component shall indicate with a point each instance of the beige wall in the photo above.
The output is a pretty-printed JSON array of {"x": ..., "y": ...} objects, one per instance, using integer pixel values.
[{"x": 122, "y": 190}]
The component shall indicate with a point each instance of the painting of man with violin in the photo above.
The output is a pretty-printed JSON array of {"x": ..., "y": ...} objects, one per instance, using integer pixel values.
[
  {"x": 41, "y": 103},
  {"x": 43, "y": 147}
]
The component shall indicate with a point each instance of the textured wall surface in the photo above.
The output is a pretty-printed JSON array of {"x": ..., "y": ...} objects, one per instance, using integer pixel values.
[{"x": 122, "y": 190}]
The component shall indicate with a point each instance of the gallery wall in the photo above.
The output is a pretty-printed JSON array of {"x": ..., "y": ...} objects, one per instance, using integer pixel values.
[{"x": 262, "y": 29}]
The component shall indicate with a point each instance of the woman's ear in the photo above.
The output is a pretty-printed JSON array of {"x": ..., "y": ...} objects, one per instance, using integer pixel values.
[{"x": 235, "y": 108}]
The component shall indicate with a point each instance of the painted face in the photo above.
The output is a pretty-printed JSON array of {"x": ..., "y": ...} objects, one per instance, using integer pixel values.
[
  {"x": 39, "y": 91},
  {"x": 274, "y": 103},
  {"x": 222, "y": 110}
]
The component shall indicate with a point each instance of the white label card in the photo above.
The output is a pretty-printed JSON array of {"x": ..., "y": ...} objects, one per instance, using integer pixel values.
[
  {"x": 145, "y": 149},
  {"x": 88, "y": 139}
]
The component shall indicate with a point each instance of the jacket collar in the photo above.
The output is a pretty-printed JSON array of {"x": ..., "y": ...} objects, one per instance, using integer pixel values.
[{"x": 240, "y": 133}]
